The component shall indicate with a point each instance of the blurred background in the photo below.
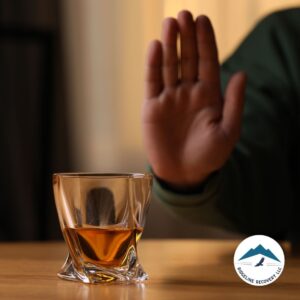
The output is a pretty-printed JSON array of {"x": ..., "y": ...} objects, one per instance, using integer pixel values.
[{"x": 71, "y": 88}]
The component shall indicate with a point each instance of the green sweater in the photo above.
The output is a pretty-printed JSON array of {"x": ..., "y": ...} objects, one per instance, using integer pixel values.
[{"x": 258, "y": 189}]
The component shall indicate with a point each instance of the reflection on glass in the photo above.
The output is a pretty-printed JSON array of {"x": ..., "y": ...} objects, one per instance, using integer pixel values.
[{"x": 102, "y": 218}]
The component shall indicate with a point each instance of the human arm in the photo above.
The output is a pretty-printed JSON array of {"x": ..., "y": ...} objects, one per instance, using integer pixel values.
[{"x": 256, "y": 188}]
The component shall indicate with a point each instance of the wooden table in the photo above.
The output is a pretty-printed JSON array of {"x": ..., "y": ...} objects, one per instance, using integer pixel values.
[{"x": 178, "y": 269}]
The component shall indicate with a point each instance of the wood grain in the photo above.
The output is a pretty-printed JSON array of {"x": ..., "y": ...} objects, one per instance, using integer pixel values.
[{"x": 178, "y": 269}]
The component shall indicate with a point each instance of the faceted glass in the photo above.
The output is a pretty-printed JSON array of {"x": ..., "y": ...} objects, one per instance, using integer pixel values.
[{"x": 102, "y": 217}]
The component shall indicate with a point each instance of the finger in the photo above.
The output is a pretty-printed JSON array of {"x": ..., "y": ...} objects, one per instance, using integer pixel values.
[
  {"x": 170, "y": 58},
  {"x": 188, "y": 46},
  {"x": 233, "y": 104},
  {"x": 153, "y": 76},
  {"x": 208, "y": 64}
]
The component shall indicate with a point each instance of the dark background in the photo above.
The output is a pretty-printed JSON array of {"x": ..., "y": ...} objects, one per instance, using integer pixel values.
[{"x": 33, "y": 118}]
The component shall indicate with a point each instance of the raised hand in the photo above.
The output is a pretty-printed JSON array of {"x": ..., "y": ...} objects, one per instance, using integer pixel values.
[{"x": 189, "y": 128}]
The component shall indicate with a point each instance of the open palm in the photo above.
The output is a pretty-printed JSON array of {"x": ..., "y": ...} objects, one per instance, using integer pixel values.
[{"x": 189, "y": 128}]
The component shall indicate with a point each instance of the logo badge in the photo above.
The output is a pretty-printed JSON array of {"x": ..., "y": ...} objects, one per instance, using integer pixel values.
[{"x": 259, "y": 260}]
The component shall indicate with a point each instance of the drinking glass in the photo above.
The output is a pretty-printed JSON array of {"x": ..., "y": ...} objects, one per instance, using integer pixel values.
[{"x": 102, "y": 217}]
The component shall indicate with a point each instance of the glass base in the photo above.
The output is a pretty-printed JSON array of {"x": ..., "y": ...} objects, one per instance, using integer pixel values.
[{"x": 131, "y": 273}]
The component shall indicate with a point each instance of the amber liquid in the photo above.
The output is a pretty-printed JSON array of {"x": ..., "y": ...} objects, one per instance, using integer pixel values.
[{"x": 103, "y": 247}]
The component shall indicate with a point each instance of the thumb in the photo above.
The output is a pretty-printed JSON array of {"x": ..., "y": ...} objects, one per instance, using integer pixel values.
[{"x": 233, "y": 105}]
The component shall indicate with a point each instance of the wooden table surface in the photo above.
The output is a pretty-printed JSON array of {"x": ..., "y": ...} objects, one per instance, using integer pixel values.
[{"x": 178, "y": 269}]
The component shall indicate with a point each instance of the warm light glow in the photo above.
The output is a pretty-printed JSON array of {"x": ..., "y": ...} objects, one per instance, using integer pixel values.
[
  {"x": 232, "y": 19},
  {"x": 105, "y": 48}
]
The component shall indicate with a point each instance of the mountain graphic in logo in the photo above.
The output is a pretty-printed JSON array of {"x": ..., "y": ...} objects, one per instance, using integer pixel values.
[{"x": 259, "y": 250}]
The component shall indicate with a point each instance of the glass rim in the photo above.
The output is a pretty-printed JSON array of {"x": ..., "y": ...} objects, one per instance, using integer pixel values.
[{"x": 102, "y": 175}]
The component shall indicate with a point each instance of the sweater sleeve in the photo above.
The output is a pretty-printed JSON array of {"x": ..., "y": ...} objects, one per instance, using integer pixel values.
[{"x": 254, "y": 192}]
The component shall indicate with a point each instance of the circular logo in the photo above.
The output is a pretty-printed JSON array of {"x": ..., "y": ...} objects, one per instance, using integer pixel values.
[{"x": 259, "y": 260}]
